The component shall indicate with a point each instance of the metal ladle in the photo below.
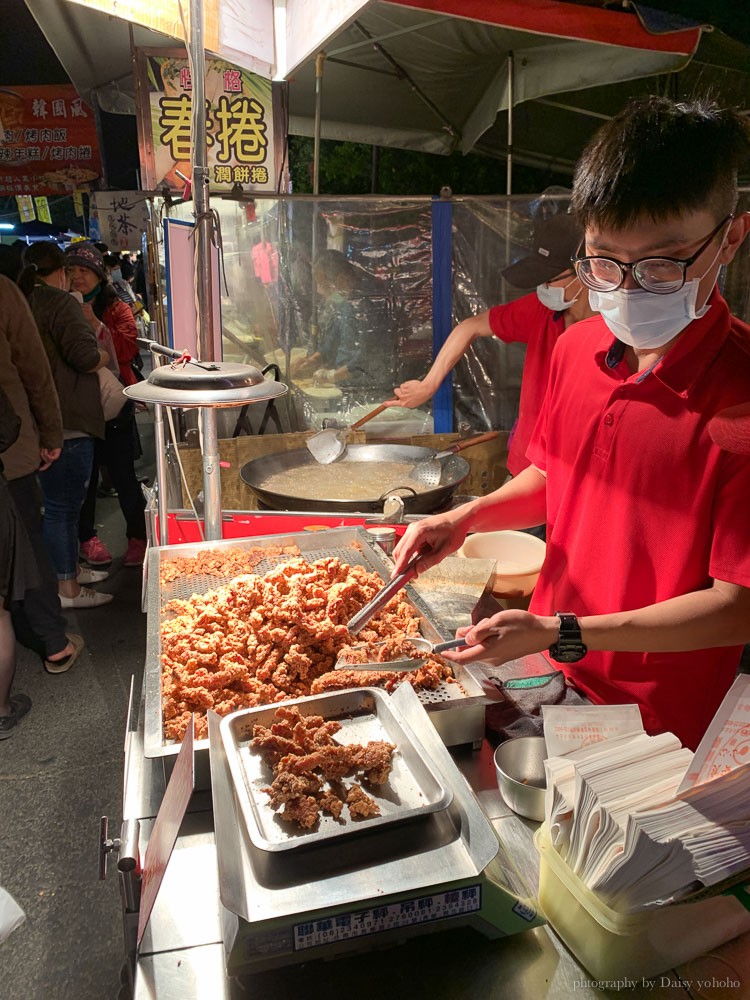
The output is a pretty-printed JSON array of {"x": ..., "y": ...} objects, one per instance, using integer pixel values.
[
  {"x": 329, "y": 444},
  {"x": 429, "y": 471}
]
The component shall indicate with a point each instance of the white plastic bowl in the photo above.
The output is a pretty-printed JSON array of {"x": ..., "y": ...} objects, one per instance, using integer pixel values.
[{"x": 518, "y": 556}]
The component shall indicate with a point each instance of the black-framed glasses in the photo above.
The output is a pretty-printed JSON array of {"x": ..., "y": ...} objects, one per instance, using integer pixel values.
[{"x": 660, "y": 275}]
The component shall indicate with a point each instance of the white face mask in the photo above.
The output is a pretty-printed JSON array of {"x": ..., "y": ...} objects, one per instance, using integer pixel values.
[
  {"x": 553, "y": 296},
  {"x": 644, "y": 320}
]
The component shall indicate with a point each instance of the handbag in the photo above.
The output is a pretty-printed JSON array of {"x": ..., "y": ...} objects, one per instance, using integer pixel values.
[{"x": 110, "y": 391}]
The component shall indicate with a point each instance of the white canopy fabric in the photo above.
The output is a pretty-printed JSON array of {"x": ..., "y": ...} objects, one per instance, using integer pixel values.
[{"x": 433, "y": 75}]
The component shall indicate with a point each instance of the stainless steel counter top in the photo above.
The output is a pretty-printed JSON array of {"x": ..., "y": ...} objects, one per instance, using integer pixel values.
[{"x": 182, "y": 957}]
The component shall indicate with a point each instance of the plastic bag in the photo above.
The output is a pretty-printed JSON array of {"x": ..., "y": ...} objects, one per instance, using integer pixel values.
[{"x": 11, "y": 915}]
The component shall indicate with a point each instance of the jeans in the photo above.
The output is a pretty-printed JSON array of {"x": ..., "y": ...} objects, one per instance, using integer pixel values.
[
  {"x": 37, "y": 620},
  {"x": 118, "y": 453},
  {"x": 64, "y": 486}
]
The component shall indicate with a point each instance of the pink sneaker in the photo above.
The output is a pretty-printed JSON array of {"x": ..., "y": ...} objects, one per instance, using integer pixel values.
[
  {"x": 95, "y": 552},
  {"x": 135, "y": 553}
]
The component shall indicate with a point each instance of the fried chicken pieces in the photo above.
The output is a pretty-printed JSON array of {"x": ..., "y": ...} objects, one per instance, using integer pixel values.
[
  {"x": 220, "y": 562},
  {"x": 260, "y": 640},
  {"x": 304, "y": 755}
]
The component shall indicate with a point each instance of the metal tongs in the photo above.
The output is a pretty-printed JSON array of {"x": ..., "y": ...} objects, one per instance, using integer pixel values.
[
  {"x": 176, "y": 357},
  {"x": 407, "y": 663},
  {"x": 358, "y": 622}
]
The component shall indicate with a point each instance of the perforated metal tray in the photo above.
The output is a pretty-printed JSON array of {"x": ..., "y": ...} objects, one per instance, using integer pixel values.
[
  {"x": 350, "y": 544},
  {"x": 413, "y": 790}
]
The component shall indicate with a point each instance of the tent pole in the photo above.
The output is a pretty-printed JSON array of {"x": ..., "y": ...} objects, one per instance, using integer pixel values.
[
  {"x": 319, "y": 61},
  {"x": 204, "y": 313},
  {"x": 509, "y": 170},
  {"x": 200, "y": 181}
]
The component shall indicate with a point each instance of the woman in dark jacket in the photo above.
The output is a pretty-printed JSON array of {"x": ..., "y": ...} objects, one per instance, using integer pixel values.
[
  {"x": 74, "y": 359},
  {"x": 106, "y": 312}
]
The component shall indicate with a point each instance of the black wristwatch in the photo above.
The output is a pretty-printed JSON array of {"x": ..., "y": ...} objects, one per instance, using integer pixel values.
[{"x": 569, "y": 647}]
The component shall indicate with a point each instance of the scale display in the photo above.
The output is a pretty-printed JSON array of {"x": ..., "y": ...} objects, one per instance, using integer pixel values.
[{"x": 405, "y": 913}]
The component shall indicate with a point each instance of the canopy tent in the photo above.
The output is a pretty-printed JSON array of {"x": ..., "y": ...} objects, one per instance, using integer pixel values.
[{"x": 441, "y": 75}]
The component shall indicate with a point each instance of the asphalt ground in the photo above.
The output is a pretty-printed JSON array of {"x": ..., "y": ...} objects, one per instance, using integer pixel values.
[{"x": 60, "y": 771}]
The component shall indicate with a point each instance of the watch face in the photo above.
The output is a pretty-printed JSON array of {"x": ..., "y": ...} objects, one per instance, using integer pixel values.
[
  {"x": 572, "y": 653},
  {"x": 569, "y": 647}
]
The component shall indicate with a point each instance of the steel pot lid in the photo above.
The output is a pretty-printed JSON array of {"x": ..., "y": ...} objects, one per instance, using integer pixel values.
[
  {"x": 205, "y": 375},
  {"x": 208, "y": 383}
]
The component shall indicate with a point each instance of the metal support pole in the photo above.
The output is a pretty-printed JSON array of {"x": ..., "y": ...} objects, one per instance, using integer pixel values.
[
  {"x": 200, "y": 179},
  {"x": 211, "y": 473},
  {"x": 161, "y": 475},
  {"x": 319, "y": 62},
  {"x": 509, "y": 162}
]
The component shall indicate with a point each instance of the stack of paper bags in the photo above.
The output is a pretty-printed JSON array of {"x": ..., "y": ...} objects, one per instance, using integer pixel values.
[{"x": 641, "y": 820}]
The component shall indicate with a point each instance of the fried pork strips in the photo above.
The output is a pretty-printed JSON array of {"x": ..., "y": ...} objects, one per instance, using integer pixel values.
[
  {"x": 260, "y": 640},
  {"x": 303, "y": 754}
]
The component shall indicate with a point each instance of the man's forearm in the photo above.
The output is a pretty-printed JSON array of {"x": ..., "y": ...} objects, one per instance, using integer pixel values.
[
  {"x": 520, "y": 503},
  {"x": 454, "y": 348},
  {"x": 703, "y": 619}
]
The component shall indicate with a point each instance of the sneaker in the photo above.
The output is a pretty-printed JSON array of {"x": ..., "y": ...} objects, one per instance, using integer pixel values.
[
  {"x": 19, "y": 706},
  {"x": 136, "y": 552},
  {"x": 86, "y": 599},
  {"x": 63, "y": 665},
  {"x": 95, "y": 552},
  {"x": 87, "y": 576}
]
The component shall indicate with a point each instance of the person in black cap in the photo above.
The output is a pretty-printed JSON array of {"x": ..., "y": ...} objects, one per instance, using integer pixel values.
[{"x": 536, "y": 320}]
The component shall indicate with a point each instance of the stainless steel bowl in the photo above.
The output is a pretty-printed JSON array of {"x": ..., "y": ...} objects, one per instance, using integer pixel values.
[{"x": 520, "y": 775}]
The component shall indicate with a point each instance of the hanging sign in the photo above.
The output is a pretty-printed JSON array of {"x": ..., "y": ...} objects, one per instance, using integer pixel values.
[
  {"x": 240, "y": 132},
  {"x": 78, "y": 203},
  {"x": 26, "y": 207},
  {"x": 48, "y": 142},
  {"x": 121, "y": 218},
  {"x": 42, "y": 210}
]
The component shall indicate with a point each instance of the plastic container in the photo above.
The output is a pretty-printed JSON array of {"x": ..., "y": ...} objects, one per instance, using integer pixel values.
[
  {"x": 612, "y": 945},
  {"x": 518, "y": 555}
]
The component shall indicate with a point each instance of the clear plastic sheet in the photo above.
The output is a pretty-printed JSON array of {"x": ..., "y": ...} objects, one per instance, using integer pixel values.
[{"x": 343, "y": 350}]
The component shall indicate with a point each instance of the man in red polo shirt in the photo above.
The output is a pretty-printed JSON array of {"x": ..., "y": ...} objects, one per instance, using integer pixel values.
[
  {"x": 645, "y": 592},
  {"x": 536, "y": 320}
]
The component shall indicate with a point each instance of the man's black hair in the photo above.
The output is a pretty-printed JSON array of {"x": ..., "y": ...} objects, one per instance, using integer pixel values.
[{"x": 659, "y": 158}]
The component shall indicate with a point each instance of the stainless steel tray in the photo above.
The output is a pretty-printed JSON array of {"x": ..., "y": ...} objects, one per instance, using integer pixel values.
[
  {"x": 463, "y": 724},
  {"x": 413, "y": 790}
]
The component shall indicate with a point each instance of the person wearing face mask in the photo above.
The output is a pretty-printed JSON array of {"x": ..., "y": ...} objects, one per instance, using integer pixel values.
[
  {"x": 644, "y": 596},
  {"x": 536, "y": 319}
]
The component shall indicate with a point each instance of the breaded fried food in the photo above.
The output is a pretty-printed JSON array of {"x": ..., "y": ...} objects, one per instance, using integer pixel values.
[
  {"x": 361, "y": 805},
  {"x": 376, "y": 760},
  {"x": 264, "y": 639},
  {"x": 299, "y": 786},
  {"x": 333, "y": 762},
  {"x": 287, "y": 786},
  {"x": 303, "y": 810}
]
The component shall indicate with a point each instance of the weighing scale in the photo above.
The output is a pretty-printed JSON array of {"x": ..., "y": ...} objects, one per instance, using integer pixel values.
[{"x": 376, "y": 888}]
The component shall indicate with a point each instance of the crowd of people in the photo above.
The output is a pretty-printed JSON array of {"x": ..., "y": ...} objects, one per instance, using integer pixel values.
[{"x": 67, "y": 320}]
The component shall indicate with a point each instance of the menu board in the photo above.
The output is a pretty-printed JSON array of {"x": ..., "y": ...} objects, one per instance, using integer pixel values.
[{"x": 49, "y": 143}]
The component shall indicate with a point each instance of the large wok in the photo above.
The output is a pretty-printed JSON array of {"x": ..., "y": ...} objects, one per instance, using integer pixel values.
[{"x": 454, "y": 471}]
